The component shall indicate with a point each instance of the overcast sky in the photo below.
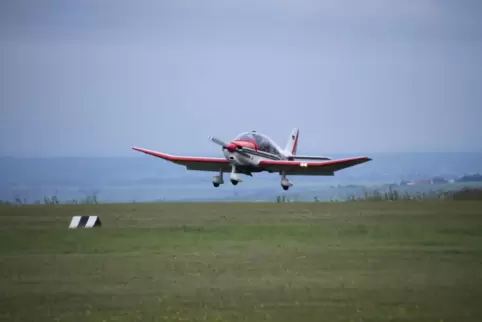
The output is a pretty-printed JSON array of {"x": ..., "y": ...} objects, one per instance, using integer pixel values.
[{"x": 98, "y": 77}]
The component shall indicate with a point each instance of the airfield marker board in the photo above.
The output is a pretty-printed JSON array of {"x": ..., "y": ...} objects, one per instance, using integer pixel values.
[{"x": 85, "y": 222}]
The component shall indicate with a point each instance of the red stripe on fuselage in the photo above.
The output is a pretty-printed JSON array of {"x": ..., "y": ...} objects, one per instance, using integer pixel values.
[{"x": 246, "y": 144}]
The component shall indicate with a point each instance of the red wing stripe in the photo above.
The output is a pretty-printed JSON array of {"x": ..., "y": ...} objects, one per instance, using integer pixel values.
[
  {"x": 311, "y": 164},
  {"x": 174, "y": 158}
]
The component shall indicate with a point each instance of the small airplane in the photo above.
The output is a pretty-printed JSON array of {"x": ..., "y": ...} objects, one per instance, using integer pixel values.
[{"x": 253, "y": 152}]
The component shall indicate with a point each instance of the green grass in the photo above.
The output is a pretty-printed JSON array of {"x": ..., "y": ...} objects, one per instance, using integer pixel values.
[{"x": 355, "y": 261}]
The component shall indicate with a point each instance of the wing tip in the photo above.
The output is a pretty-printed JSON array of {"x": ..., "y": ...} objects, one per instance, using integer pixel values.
[
  {"x": 153, "y": 153},
  {"x": 135, "y": 148},
  {"x": 180, "y": 159},
  {"x": 362, "y": 159}
]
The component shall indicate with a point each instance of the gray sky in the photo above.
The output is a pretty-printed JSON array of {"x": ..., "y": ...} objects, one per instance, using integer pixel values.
[{"x": 98, "y": 77}]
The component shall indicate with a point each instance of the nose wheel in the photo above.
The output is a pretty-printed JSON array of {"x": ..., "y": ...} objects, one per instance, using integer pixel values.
[{"x": 235, "y": 176}]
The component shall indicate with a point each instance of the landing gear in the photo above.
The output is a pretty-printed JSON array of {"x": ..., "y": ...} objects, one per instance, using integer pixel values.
[
  {"x": 218, "y": 180},
  {"x": 285, "y": 183},
  {"x": 235, "y": 177}
]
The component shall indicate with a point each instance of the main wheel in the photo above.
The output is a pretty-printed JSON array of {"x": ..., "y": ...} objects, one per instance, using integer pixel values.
[{"x": 215, "y": 184}]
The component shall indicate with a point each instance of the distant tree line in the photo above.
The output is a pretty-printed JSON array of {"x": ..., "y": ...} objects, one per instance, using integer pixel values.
[
  {"x": 465, "y": 193},
  {"x": 394, "y": 195},
  {"x": 54, "y": 200}
]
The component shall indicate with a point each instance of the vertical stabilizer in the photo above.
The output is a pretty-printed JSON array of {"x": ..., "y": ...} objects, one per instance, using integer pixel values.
[{"x": 292, "y": 143}]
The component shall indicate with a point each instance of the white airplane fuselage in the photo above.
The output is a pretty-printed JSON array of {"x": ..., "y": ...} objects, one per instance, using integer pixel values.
[
  {"x": 261, "y": 147},
  {"x": 269, "y": 151}
]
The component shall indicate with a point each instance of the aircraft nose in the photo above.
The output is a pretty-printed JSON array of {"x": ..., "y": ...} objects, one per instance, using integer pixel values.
[{"x": 231, "y": 147}]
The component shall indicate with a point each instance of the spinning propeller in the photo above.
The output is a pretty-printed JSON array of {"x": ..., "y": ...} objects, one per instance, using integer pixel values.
[
  {"x": 219, "y": 142},
  {"x": 231, "y": 147}
]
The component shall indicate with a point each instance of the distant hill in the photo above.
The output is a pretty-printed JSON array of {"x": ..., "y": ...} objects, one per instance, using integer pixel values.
[{"x": 143, "y": 178}]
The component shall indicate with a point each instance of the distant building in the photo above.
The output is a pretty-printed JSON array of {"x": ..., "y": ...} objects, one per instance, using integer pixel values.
[
  {"x": 439, "y": 180},
  {"x": 434, "y": 180},
  {"x": 471, "y": 178}
]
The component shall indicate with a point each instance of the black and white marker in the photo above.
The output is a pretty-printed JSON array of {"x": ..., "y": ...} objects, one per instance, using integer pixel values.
[{"x": 85, "y": 222}]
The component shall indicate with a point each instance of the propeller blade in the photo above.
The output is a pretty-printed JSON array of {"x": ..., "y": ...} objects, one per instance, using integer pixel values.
[
  {"x": 229, "y": 146},
  {"x": 218, "y": 141}
]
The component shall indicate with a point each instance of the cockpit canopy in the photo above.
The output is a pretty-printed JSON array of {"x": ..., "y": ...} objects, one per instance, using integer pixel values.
[{"x": 263, "y": 142}]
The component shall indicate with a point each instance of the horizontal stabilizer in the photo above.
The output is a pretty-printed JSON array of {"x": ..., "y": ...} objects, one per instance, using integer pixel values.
[{"x": 307, "y": 157}]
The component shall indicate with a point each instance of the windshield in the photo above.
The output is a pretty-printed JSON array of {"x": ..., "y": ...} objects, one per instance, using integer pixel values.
[
  {"x": 248, "y": 136},
  {"x": 264, "y": 143}
]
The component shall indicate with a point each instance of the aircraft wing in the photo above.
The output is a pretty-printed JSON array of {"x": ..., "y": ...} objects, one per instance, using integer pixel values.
[
  {"x": 191, "y": 163},
  {"x": 324, "y": 168}
]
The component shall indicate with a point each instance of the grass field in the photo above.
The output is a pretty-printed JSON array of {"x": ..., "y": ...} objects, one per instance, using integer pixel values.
[{"x": 355, "y": 261}]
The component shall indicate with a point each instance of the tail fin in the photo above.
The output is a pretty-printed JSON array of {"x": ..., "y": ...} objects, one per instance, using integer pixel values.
[{"x": 292, "y": 143}]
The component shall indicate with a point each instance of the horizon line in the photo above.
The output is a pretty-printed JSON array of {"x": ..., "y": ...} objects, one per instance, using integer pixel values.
[{"x": 90, "y": 156}]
